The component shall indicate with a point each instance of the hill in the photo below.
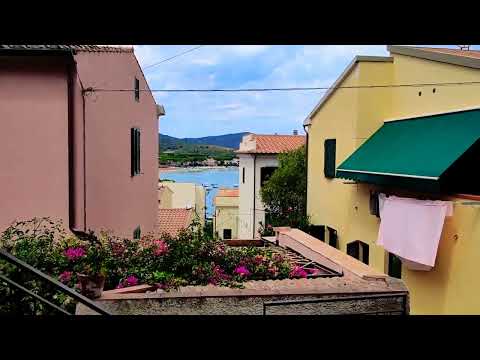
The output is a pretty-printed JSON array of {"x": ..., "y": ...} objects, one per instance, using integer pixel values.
[{"x": 231, "y": 141}]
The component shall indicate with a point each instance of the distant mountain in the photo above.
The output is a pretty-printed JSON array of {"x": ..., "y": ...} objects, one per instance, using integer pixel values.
[{"x": 231, "y": 141}]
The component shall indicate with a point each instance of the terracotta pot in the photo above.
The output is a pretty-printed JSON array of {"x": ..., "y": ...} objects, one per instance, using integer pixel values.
[{"x": 91, "y": 286}]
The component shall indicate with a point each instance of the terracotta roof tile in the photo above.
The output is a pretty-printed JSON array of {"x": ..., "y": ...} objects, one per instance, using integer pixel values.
[
  {"x": 465, "y": 53},
  {"x": 274, "y": 144},
  {"x": 227, "y": 193},
  {"x": 171, "y": 221},
  {"x": 88, "y": 48}
]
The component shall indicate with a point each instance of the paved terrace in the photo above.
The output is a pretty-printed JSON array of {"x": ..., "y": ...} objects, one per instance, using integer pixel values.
[{"x": 374, "y": 292}]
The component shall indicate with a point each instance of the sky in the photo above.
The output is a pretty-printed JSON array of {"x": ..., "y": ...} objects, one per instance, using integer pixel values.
[{"x": 244, "y": 66}]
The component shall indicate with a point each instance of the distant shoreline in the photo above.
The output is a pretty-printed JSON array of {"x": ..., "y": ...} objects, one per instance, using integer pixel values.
[{"x": 192, "y": 168}]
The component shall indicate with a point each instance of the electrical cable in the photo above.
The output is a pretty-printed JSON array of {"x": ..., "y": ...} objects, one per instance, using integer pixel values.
[{"x": 172, "y": 57}]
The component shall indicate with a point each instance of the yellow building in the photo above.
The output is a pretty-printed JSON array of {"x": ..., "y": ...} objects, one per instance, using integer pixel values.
[
  {"x": 164, "y": 197},
  {"x": 363, "y": 102},
  {"x": 188, "y": 196},
  {"x": 225, "y": 221}
]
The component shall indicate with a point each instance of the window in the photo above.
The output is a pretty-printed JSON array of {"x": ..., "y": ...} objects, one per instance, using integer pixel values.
[
  {"x": 243, "y": 175},
  {"x": 332, "y": 237},
  {"x": 318, "y": 231},
  {"x": 137, "y": 89},
  {"x": 227, "y": 234},
  {"x": 394, "y": 266},
  {"x": 265, "y": 173},
  {"x": 137, "y": 233},
  {"x": 329, "y": 161},
  {"x": 359, "y": 250},
  {"x": 135, "y": 151}
]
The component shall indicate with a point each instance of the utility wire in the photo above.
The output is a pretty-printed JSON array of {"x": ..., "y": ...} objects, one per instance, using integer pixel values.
[
  {"x": 172, "y": 57},
  {"x": 291, "y": 88}
]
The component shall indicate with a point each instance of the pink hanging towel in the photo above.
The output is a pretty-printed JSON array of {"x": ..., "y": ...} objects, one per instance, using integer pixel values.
[{"x": 411, "y": 229}]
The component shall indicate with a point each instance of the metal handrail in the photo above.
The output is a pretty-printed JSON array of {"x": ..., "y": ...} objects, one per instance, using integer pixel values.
[
  {"x": 58, "y": 285},
  {"x": 345, "y": 298}
]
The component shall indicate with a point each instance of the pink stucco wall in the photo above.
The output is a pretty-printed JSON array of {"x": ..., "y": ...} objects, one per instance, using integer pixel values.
[
  {"x": 33, "y": 139},
  {"x": 115, "y": 200},
  {"x": 34, "y": 156}
]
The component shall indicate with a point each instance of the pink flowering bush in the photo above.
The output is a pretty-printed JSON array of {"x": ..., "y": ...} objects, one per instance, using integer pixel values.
[{"x": 190, "y": 258}]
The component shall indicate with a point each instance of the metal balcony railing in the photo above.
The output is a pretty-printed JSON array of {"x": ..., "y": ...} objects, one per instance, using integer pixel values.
[{"x": 47, "y": 279}]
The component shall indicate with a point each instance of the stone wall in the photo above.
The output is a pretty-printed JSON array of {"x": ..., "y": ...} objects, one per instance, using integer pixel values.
[{"x": 254, "y": 305}]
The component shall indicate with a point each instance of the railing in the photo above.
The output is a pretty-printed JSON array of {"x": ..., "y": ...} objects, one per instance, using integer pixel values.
[
  {"x": 401, "y": 311},
  {"x": 56, "y": 284}
]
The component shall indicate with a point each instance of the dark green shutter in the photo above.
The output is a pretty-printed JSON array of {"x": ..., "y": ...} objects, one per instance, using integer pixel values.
[
  {"x": 137, "y": 89},
  {"x": 329, "y": 161},
  {"x": 394, "y": 266},
  {"x": 132, "y": 150},
  {"x": 332, "y": 237},
  {"x": 138, "y": 170}
]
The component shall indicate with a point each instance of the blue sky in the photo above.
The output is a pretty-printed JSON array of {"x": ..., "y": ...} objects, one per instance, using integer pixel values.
[{"x": 244, "y": 66}]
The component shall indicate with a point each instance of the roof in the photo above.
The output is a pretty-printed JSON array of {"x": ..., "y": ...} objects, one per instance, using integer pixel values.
[
  {"x": 467, "y": 58},
  {"x": 172, "y": 221},
  {"x": 68, "y": 48},
  {"x": 341, "y": 78},
  {"x": 227, "y": 193},
  {"x": 421, "y": 148},
  {"x": 270, "y": 144}
]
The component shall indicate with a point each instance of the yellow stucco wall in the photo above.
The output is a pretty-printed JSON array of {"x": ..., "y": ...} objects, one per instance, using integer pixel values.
[
  {"x": 226, "y": 215},
  {"x": 351, "y": 116}
]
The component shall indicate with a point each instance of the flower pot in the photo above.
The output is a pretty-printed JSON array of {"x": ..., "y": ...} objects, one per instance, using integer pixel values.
[{"x": 91, "y": 286}]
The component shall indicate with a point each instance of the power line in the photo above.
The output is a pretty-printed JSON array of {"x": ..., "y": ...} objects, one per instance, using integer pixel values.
[
  {"x": 173, "y": 57},
  {"x": 291, "y": 88}
]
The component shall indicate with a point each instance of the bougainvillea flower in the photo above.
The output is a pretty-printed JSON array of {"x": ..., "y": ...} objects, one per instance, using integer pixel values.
[
  {"x": 161, "y": 247},
  {"x": 74, "y": 253},
  {"x": 65, "y": 276},
  {"x": 298, "y": 272},
  {"x": 242, "y": 270}
]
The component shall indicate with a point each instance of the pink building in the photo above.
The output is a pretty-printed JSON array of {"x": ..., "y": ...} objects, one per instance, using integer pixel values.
[{"x": 72, "y": 149}]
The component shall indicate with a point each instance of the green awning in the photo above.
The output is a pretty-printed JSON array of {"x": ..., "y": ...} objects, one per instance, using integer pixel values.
[{"x": 413, "y": 152}]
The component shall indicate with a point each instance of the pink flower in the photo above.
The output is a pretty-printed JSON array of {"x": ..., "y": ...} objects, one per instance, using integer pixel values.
[
  {"x": 258, "y": 259},
  {"x": 74, "y": 253},
  {"x": 313, "y": 271},
  {"x": 131, "y": 281},
  {"x": 242, "y": 271},
  {"x": 269, "y": 226},
  {"x": 161, "y": 248},
  {"x": 120, "y": 286},
  {"x": 65, "y": 276},
  {"x": 298, "y": 272}
]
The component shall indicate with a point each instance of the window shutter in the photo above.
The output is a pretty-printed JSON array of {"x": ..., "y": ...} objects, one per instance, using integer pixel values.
[
  {"x": 132, "y": 150},
  {"x": 138, "y": 168},
  {"x": 137, "y": 89},
  {"x": 329, "y": 158}
]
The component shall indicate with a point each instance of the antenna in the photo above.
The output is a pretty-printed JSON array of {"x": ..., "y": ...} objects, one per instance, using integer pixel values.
[{"x": 464, "y": 47}]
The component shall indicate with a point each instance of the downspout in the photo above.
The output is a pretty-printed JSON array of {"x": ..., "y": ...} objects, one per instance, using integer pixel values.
[
  {"x": 70, "y": 124},
  {"x": 254, "y": 193},
  {"x": 305, "y": 127}
]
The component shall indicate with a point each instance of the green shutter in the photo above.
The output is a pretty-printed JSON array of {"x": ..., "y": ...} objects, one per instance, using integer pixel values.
[
  {"x": 138, "y": 169},
  {"x": 329, "y": 161},
  {"x": 132, "y": 150}
]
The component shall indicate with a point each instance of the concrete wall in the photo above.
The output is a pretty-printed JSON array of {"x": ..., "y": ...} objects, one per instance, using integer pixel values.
[
  {"x": 351, "y": 116},
  {"x": 248, "y": 305},
  {"x": 247, "y": 205},
  {"x": 33, "y": 138}
]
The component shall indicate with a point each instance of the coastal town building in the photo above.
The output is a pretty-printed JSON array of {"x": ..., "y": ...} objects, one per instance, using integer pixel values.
[
  {"x": 164, "y": 197},
  {"x": 188, "y": 196},
  {"x": 258, "y": 159},
  {"x": 389, "y": 144},
  {"x": 70, "y": 152},
  {"x": 225, "y": 220}
]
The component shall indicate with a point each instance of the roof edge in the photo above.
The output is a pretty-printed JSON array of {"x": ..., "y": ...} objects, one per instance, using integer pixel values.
[
  {"x": 434, "y": 56},
  {"x": 341, "y": 78}
]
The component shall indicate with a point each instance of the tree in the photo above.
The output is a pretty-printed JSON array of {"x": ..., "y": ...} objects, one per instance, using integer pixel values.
[{"x": 285, "y": 192}]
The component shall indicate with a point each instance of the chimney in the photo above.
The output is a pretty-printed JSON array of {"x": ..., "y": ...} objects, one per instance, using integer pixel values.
[{"x": 295, "y": 132}]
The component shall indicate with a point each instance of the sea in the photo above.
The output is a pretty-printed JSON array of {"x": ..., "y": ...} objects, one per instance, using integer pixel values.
[{"x": 211, "y": 179}]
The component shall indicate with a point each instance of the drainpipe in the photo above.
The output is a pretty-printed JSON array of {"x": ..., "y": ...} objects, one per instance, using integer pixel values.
[
  {"x": 254, "y": 193},
  {"x": 305, "y": 127}
]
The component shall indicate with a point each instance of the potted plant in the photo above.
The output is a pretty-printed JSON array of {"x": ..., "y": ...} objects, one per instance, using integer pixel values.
[{"x": 91, "y": 270}]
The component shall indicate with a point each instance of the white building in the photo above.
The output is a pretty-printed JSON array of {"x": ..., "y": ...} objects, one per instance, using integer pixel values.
[{"x": 258, "y": 160}]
